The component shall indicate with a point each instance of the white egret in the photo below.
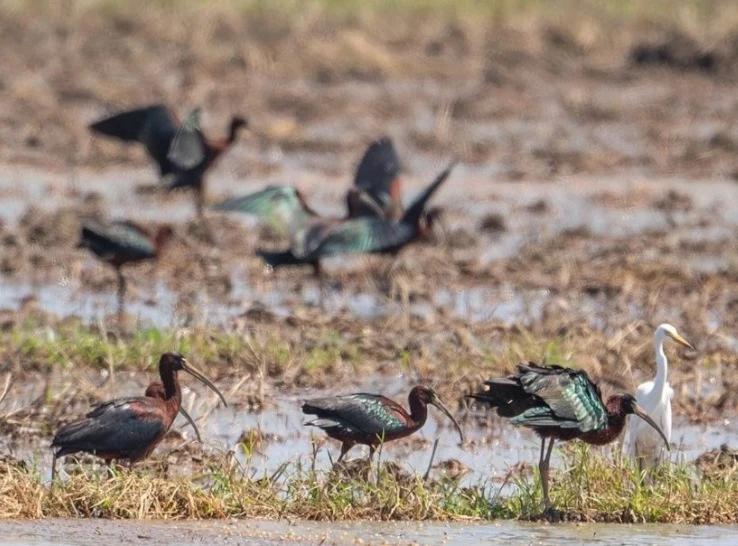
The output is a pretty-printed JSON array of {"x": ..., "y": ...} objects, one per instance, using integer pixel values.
[{"x": 642, "y": 442}]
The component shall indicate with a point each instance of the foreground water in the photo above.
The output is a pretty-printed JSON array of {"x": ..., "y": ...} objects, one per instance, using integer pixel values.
[{"x": 114, "y": 533}]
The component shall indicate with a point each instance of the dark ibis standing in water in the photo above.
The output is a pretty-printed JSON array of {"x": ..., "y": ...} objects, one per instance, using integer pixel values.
[
  {"x": 560, "y": 404},
  {"x": 130, "y": 428},
  {"x": 370, "y": 419},
  {"x": 180, "y": 149},
  {"x": 122, "y": 242}
]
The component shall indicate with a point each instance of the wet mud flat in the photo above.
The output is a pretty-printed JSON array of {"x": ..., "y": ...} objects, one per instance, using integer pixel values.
[
  {"x": 596, "y": 198},
  {"x": 581, "y": 270},
  {"x": 114, "y": 533}
]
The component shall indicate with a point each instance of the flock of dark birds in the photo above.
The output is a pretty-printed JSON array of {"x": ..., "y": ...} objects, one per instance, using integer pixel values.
[
  {"x": 375, "y": 222},
  {"x": 557, "y": 403}
]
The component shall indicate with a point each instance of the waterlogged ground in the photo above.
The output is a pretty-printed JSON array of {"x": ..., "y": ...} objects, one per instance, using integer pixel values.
[
  {"x": 509, "y": 250},
  {"x": 115, "y": 533},
  {"x": 489, "y": 222},
  {"x": 595, "y": 198}
]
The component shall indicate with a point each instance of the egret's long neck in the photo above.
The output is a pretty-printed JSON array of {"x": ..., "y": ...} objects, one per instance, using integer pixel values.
[{"x": 662, "y": 366}]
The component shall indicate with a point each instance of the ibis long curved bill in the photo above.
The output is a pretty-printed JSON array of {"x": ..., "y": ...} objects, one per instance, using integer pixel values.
[
  {"x": 199, "y": 375},
  {"x": 191, "y": 422},
  {"x": 441, "y": 406},
  {"x": 640, "y": 412}
]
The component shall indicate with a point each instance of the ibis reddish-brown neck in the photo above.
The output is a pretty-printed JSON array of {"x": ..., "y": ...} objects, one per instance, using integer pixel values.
[
  {"x": 616, "y": 415},
  {"x": 215, "y": 147},
  {"x": 172, "y": 391},
  {"x": 418, "y": 410}
]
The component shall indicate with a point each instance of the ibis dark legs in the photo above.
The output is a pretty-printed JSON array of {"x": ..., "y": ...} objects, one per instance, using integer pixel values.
[
  {"x": 199, "y": 193},
  {"x": 322, "y": 290},
  {"x": 345, "y": 446},
  {"x": 543, "y": 466},
  {"x": 121, "y": 291},
  {"x": 53, "y": 469}
]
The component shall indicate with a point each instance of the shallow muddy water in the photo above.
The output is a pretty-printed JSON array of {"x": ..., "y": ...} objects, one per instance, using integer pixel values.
[
  {"x": 617, "y": 207},
  {"x": 114, "y": 533}
]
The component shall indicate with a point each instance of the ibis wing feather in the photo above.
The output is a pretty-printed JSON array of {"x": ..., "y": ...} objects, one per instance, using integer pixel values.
[
  {"x": 375, "y": 174},
  {"x": 367, "y": 413},
  {"x": 361, "y": 235},
  {"x": 188, "y": 148},
  {"x": 416, "y": 208},
  {"x": 138, "y": 124},
  {"x": 570, "y": 396},
  {"x": 118, "y": 238},
  {"x": 153, "y": 126},
  {"x": 124, "y": 425},
  {"x": 547, "y": 396},
  {"x": 278, "y": 204}
]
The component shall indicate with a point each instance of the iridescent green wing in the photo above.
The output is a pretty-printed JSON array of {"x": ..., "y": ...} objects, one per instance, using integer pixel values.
[
  {"x": 571, "y": 399},
  {"x": 278, "y": 205},
  {"x": 305, "y": 238},
  {"x": 362, "y": 235},
  {"x": 369, "y": 414}
]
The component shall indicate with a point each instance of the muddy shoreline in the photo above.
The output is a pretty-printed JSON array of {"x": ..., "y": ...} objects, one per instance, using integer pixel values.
[{"x": 90, "y": 533}]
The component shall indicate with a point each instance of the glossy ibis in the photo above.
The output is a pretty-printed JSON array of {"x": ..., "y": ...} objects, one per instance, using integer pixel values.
[
  {"x": 181, "y": 150},
  {"x": 655, "y": 397},
  {"x": 129, "y": 428},
  {"x": 193, "y": 154},
  {"x": 370, "y": 419},
  {"x": 285, "y": 207},
  {"x": 560, "y": 404},
  {"x": 314, "y": 238},
  {"x": 123, "y": 242}
]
